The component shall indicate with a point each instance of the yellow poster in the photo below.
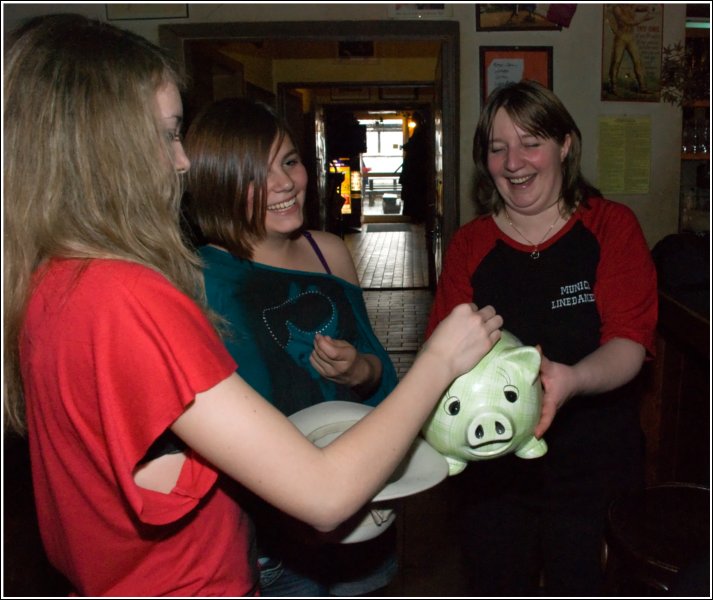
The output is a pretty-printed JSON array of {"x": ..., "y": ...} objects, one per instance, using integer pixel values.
[{"x": 624, "y": 155}]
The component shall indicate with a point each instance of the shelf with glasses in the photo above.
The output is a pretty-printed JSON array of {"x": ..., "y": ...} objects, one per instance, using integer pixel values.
[
  {"x": 696, "y": 130},
  {"x": 694, "y": 203}
]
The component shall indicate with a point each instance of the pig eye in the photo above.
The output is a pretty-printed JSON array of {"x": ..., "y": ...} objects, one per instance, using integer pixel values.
[
  {"x": 452, "y": 406},
  {"x": 511, "y": 393}
]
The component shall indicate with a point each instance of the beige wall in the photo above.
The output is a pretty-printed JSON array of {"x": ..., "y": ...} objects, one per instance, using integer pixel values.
[
  {"x": 576, "y": 75},
  {"x": 257, "y": 69},
  {"x": 316, "y": 70}
]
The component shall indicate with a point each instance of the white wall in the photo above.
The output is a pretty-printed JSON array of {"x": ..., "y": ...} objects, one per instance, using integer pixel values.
[{"x": 576, "y": 77}]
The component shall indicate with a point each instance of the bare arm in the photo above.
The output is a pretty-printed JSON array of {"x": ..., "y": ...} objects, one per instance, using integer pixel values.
[
  {"x": 610, "y": 366},
  {"x": 243, "y": 435}
]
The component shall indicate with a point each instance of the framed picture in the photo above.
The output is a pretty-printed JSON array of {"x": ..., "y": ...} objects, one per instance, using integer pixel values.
[
  {"x": 420, "y": 11},
  {"x": 124, "y": 12},
  {"x": 632, "y": 42},
  {"x": 513, "y": 17},
  {"x": 505, "y": 64}
]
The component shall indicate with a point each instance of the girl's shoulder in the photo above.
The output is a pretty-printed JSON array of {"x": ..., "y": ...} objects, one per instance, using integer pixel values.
[
  {"x": 326, "y": 239},
  {"x": 336, "y": 253},
  {"x": 330, "y": 244}
]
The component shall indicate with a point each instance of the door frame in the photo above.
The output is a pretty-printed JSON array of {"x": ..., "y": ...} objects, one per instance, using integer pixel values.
[{"x": 173, "y": 38}]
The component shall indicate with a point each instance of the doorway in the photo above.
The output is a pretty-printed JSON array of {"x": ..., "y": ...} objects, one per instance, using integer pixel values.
[
  {"x": 382, "y": 165},
  {"x": 302, "y": 36},
  {"x": 374, "y": 144}
]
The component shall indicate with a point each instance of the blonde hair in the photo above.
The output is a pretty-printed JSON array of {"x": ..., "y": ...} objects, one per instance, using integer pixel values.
[{"x": 83, "y": 168}]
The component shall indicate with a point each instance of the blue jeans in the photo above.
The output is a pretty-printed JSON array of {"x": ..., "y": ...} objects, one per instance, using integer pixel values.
[{"x": 278, "y": 580}]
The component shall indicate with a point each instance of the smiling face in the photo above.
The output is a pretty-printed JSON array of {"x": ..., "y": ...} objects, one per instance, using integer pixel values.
[
  {"x": 526, "y": 169},
  {"x": 286, "y": 186}
]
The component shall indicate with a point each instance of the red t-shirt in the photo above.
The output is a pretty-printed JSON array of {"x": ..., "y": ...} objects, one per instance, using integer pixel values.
[{"x": 111, "y": 355}]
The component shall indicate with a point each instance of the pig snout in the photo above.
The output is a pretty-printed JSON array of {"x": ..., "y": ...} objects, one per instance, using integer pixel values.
[{"x": 488, "y": 428}]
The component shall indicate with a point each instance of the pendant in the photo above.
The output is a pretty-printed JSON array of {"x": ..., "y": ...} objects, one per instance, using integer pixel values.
[{"x": 535, "y": 254}]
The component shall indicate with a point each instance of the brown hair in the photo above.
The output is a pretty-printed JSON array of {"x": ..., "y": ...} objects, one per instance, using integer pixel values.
[
  {"x": 229, "y": 145},
  {"x": 538, "y": 111},
  {"x": 83, "y": 171}
]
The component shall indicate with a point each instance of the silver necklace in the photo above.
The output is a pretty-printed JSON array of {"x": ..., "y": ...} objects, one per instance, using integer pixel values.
[{"x": 535, "y": 254}]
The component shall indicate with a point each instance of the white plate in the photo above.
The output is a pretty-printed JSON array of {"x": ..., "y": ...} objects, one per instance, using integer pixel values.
[
  {"x": 422, "y": 468},
  {"x": 370, "y": 522}
]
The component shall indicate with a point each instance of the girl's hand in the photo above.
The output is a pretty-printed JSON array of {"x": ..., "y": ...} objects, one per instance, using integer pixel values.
[
  {"x": 464, "y": 337},
  {"x": 339, "y": 361}
]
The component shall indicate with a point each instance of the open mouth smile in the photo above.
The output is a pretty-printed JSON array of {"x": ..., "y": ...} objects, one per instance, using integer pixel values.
[
  {"x": 520, "y": 180},
  {"x": 283, "y": 205}
]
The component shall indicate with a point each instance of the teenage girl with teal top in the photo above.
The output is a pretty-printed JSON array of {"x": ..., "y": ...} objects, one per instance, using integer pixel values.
[{"x": 295, "y": 315}]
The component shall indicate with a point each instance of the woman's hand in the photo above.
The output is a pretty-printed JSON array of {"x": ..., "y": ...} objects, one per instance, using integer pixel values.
[
  {"x": 339, "y": 361},
  {"x": 559, "y": 385},
  {"x": 610, "y": 366}
]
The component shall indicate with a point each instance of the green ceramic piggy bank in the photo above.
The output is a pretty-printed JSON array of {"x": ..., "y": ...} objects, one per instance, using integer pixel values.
[{"x": 492, "y": 410}]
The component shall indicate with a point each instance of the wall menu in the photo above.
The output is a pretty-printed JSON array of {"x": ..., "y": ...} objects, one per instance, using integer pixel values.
[{"x": 624, "y": 165}]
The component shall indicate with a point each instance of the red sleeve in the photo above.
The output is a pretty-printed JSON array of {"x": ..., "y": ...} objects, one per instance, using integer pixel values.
[
  {"x": 465, "y": 251},
  {"x": 153, "y": 356},
  {"x": 626, "y": 289},
  {"x": 152, "y": 350}
]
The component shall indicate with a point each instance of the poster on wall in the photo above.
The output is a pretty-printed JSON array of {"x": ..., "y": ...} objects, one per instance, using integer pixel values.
[
  {"x": 420, "y": 11},
  {"x": 509, "y": 64},
  {"x": 624, "y": 155},
  {"x": 632, "y": 38},
  {"x": 514, "y": 17}
]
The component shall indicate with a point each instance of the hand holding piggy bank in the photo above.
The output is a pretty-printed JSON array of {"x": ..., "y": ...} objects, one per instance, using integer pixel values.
[{"x": 492, "y": 410}]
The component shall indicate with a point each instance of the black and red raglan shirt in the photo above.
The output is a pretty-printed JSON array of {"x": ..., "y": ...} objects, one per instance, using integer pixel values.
[{"x": 593, "y": 281}]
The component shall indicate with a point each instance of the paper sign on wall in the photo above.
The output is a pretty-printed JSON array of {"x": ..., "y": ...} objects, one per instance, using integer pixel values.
[{"x": 624, "y": 155}]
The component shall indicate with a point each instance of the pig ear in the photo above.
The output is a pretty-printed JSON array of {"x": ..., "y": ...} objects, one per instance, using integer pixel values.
[{"x": 525, "y": 358}]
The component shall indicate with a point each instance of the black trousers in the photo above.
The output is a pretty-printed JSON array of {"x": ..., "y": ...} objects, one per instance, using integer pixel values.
[{"x": 535, "y": 527}]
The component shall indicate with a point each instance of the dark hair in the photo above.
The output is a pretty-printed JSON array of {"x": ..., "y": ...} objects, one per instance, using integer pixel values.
[
  {"x": 538, "y": 111},
  {"x": 228, "y": 144}
]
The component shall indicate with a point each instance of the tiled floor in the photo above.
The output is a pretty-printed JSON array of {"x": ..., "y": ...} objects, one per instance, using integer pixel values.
[
  {"x": 390, "y": 259},
  {"x": 393, "y": 270}
]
